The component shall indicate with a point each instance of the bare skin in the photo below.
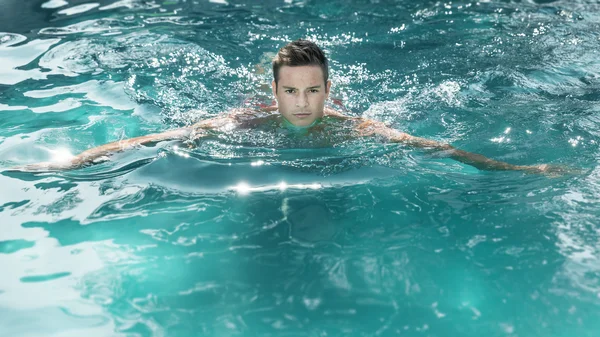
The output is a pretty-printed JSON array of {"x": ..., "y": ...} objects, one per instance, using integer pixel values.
[
  {"x": 369, "y": 127},
  {"x": 235, "y": 118},
  {"x": 301, "y": 93}
]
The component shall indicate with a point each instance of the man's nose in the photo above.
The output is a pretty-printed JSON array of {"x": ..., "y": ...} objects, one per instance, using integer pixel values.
[{"x": 302, "y": 100}]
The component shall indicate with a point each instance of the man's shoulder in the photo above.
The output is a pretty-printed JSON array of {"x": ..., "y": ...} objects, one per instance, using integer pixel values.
[{"x": 237, "y": 118}]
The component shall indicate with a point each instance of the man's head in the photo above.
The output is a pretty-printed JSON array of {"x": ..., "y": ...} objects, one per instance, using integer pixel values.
[{"x": 301, "y": 82}]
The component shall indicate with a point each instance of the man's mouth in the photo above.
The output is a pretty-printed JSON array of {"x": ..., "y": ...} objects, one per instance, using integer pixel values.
[{"x": 302, "y": 115}]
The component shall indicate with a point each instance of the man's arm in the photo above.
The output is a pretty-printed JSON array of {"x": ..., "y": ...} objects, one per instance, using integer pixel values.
[
  {"x": 370, "y": 127},
  {"x": 101, "y": 152}
]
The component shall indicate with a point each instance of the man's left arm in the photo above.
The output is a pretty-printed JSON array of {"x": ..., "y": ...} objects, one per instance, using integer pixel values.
[{"x": 370, "y": 127}]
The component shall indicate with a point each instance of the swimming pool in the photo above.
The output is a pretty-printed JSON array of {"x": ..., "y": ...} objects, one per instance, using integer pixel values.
[{"x": 260, "y": 234}]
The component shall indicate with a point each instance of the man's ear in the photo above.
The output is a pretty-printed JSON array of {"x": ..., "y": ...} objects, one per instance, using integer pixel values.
[
  {"x": 328, "y": 88},
  {"x": 274, "y": 89}
]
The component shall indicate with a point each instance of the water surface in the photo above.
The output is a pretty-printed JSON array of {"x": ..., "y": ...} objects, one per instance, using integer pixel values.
[{"x": 260, "y": 234}]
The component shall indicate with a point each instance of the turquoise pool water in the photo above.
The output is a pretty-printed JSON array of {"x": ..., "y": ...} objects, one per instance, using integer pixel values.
[{"x": 269, "y": 234}]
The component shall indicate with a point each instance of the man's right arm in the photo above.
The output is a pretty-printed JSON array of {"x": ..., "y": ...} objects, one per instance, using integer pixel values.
[{"x": 102, "y": 152}]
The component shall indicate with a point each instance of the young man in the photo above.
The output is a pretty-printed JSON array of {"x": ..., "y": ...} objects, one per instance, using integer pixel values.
[{"x": 301, "y": 86}]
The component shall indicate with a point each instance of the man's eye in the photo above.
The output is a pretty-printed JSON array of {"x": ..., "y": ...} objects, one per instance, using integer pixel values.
[
  {"x": 314, "y": 90},
  {"x": 289, "y": 91}
]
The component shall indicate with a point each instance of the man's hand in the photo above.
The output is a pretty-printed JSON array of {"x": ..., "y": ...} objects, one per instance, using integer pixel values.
[{"x": 552, "y": 171}]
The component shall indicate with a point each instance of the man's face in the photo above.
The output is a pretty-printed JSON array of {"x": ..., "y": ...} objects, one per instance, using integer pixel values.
[{"x": 301, "y": 93}]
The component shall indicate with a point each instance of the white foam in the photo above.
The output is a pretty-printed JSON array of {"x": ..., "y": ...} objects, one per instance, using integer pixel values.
[
  {"x": 54, "y": 3},
  {"x": 79, "y": 9}
]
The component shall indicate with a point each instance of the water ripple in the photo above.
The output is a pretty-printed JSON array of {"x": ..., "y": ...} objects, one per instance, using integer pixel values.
[
  {"x": 104, "y": 25},
  {"x": 9, "y": 39}
]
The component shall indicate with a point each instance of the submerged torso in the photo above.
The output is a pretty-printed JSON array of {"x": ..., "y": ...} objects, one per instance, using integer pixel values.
[{"x": 259, "y": 128}]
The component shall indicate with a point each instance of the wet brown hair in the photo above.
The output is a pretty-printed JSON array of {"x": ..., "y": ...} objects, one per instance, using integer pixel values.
[{"x": 300, "y": 53}]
